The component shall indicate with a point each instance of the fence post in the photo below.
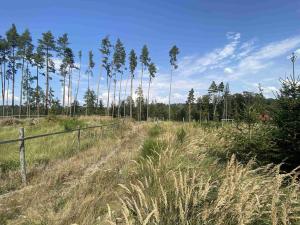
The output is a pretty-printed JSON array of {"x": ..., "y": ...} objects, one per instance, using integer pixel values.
[
  {"x": 78, "y": 137},
  {"x": 22, "y": 156}
]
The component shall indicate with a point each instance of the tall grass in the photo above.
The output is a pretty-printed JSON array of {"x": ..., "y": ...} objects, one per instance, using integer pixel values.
[{"x": 187, "y": 186}]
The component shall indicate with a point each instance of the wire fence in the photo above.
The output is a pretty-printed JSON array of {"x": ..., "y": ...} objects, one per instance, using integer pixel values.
[{"x": 22, "y": 139}]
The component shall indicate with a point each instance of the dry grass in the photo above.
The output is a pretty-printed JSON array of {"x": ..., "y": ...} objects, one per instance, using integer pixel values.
[
  {"x": 185, "y": 186},
  {"x": 111, "y": 183}
]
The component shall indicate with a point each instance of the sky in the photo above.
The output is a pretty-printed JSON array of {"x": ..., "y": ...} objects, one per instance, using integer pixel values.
[{"x": 240, "y": 42}]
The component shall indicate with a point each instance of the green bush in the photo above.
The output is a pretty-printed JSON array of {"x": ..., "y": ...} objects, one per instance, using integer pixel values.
[
  {"x": 152, "y": 147},
  {"x": 259, "y": 145},
  {"x": 155, "y": 131},
  {"x": 181, "y": 134},
  {"x": 286, "y": 117},
  {"x": 70, "y": 124},
  {"x": 9, "y": 165}
]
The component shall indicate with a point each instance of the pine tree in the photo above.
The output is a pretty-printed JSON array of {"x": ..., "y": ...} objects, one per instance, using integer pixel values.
[
  {"x": 119, "y": 62},
  {"x": 46, "y": 47},
  {"x": 78, "y": 81},
  {"x": 190, "y": 101},
  {"x": 106, "y": 50},
  {"x": 286, "y": 117},
  {"x": 90, "y": 73},
  {"x": 25, "y": 53},
  {"x": 38, "y": 62},
  {"x": 132, "y": 67},
  {"x": 152, "y": 71},
  {"x": 90, "y": 100},
  {"x": 145, "y": 60},
  {"x": 212, "y": 91},
  {"x": 173, "y": 61},
  {"x": 12, "y": 37},
  {"x": 4, "y": 51},
  {"x": 69, "y": 59},
  {"x": 61, "y": 46}
]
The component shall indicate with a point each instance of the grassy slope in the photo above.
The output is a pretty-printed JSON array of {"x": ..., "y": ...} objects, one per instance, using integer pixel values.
[{"x": 183, "y": 183}]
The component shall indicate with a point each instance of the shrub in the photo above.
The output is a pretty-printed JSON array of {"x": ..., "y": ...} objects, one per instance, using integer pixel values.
[
  {"x": 70, "y": 124},
  {"x": 181, "y": 134},
  {"x": 154, "y": 131},
  {"x": 258, "y": 145},
  {"x": 151, "y": 148},
  {"x": 286, "y": 117}
]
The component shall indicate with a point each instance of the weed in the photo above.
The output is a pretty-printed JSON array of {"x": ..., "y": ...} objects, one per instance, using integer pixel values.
[
  {"x": 155, "y": 131},
  {"x": 70, "y": 124},
  {"x": 181, "y": 134},
  {"x": 152, "y": 147}
]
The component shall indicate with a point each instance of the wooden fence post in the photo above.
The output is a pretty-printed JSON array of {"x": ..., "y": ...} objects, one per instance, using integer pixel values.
[
  {"x": 22, "y": 156},
  {"x": 78, "y": 138}
]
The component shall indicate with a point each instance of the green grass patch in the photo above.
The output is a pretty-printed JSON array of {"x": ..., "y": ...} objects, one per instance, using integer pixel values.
[
  {"x": 155, "y": 131},
  {"x": 71, "y": 124},
  {"x": 152, "y": 148}
]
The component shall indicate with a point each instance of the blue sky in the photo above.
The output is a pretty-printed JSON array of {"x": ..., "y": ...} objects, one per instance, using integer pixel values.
[{"x": 240, "y": 42}]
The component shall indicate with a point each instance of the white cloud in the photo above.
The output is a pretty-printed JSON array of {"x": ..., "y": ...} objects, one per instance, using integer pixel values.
[
  {"x": 228, "y": 70},
  {"x": 194, "y": 64}
]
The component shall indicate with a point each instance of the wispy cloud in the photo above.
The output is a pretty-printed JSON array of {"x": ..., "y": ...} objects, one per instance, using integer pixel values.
[{"x": 190, "y": 65}]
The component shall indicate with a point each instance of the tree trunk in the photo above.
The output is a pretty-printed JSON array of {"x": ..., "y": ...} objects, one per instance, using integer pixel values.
[
  {"x": 98, "y": 87},
  {"x": 86, "y": 107},
  {"x": 27, "y": 91},
  {"x": 170, "y": 94},
  {"x": 21, "y": 89},
  {"x": 47, "y": 82},
  {"x": 114, "y": 99},
  {"x": 64, "y": 92},
  {"x": 140, "y": 112},
  {"x": 77, "y": 89},
  {"x": 69, "y": 85},
  {"x": 131, "y": 80},
  {"x": 37, "y": 92},
  {"x": 7, "y": 96},
  {"x": 120, "y": 89},
  {"x": 125, "y": 97},
  {"x": 148, "y": 98},
  {"x": 70, "y": 91},
  {"x": 108, "y": 93},
  {"x": 2, "y": 88},
  {"x": 13, "y": 84},
  {"x": 189, "y": 112}
]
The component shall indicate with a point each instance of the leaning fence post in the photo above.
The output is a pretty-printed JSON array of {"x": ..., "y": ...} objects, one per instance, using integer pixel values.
[
  {"x": 22, "y": 156},
  {"x": 78, "y": 137}
]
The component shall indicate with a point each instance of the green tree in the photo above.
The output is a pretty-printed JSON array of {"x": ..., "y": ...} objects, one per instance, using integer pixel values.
[
  {"x": 190, "y": 101},
  {"x": 12, "y": 37},
  {"x": 173, "y": 61},
  {"x": 145, "y": 60},
  {"x": 4, "y": 52},
  {"x": 132, "y": 67},
  {"x": 89, "y": 73},
  {"x": 70, "y": 63},
  {"x": 213, "y": 91},
  {"x": 61, "y": 46},
  {"x": 286, "y": 117},
  {"x": 78, "y": 81},
  {"x": 152, "y": 71},
  {"x": 106, "y": 51},
  {"x": 25, "y": 52},
  {"x": 46, "y": 47},
  {"x": 38, "y": 62},
  {"x": 119, "y": 62},
  {"x": 90, "y": 100}
]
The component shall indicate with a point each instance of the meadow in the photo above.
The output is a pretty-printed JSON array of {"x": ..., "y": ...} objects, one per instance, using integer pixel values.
[{"x": 153, "y": 173}]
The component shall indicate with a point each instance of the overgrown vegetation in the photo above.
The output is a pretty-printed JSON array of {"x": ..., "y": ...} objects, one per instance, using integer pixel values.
[{"x": 184, "y": 185}]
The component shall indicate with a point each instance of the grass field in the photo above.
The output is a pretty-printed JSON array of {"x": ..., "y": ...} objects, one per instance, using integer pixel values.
[{"x": 151, "y": 173}]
